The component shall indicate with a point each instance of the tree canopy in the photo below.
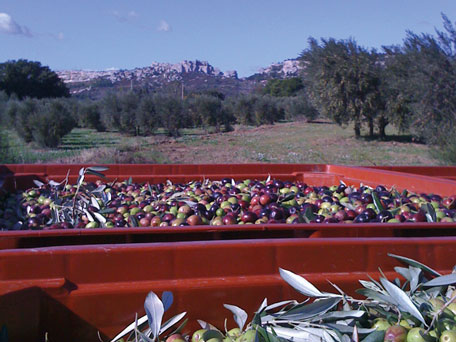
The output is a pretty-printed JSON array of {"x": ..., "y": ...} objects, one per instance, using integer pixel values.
[
  {"x": 30, "y": 79},
  {"x": 343, "y": 81}
]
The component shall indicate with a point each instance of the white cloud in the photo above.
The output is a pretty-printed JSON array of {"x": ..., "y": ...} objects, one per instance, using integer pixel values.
[
  {"x": 124, "y": 16},
  {"x": 9, "y": 26},
  {"x": 164, "y": 26}
]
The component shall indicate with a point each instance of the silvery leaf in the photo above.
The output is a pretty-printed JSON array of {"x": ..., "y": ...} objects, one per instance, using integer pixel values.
[
  {"x": 100, "y": 188},
  {"x": 370, "y": 285},
  {"x": 279, "y": 304},
  {"x": 355, "y": 334},
  {"x": 80, "y": 180},
  {"x": 294, "y": 335},
  {"x": 300, "y": 284},
  {"x": 405, "y": 272},
  {"x": 143, "y": 337},
  {"x": 167, "y": 299},
  {"x": 415, "y": 274},
  {"x": 339, "y": 315},
  {"x": 89, "y": 216},
  {"x": 169, "y": 323},
  {"x": 98, "y": 168},
  {"x": 263, "y": 305},
  {"x": 383, "y": 298},
  {"x": 130, "y": 328},
  {"x": 324, "y": 333},
  {"x": 318, "y": 307},
  {"x": 346, "y": 329},
  {"x": 154, "y": 310},
  {"x": 206, "y": 325},
  {"x": 53, "y": 183},
  {"x": 348, "y": 205},
  {"x": 442, "y": 280},
  {"x": 100, "y": 218},
  {"x": 403, "y": 301},
  {"x": 415, "y": 263},
  {"x": 95, "y": 203},
  {"x": 38, "y": 183},
  {"x": 240, "y": 316}
]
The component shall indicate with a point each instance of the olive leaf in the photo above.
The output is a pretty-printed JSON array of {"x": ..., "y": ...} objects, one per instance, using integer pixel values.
[
  {"x": 131, "y": 327},
  {"x": 287, "y": 198},
  {"x": 134, "y": 221},
  {"x": 279, "y": 304},
  {"x": 404, "y": 303},
  {"x": 95, "y": 173},
  {"x": 100, "y": 218},
  {"x": 98, "y": 168},
  {"x": 370, "y": 285},
  {"x": 415, "y": 263},
  {"x": 303, "y": 286},
  {"x": 173, "y": 320},
  {"x": 143, "y": 337},
  {"x": 339, "y": 315},
  {"x": 167, "y": 299},
  {"x": 212, "y": 334},
  {"x": 154, "y": 311},
  {"x": 429, "y": 210},
  {"x": 107, "y": 211},
  {"x": 38, "y": 183},
  {"x": 263, "y": 305},
  {"x": 309, "y": 215},
  {"x": 375, "y": 336},
  {"x": 347, "y": 329},
  {"x": 94, "y": 202},
  {"x": 265, "y": 335},
  {"x": 89, "y": 216},
  {"x": 240, "y": 316},
  {"x": 377, "y": 203},
  {"x": 206, "y": 325},
  {"x": 368, "y": 293},
  {"x": 296, "y": 335},
  {"x": 318, "y": 307},
  {"x": 442, "y": 280}
]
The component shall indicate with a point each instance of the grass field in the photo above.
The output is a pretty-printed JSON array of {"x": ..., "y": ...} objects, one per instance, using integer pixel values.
[{"x": 290, "y": 142}]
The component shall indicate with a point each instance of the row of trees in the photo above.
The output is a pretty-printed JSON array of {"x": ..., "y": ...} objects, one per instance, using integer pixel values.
[
  {"x": 46, "y": 121},
  {"x": 410, "y": 86}
]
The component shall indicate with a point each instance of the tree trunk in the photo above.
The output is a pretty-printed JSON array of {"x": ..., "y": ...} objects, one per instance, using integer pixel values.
[
  {"x": 357, "y": 129},
  {"x": 382, "y": 123},
  {"x": 371, "y": 127}
]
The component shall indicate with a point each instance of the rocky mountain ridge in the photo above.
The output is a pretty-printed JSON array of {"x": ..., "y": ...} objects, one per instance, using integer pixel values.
[{"x": 191, "y": 75}]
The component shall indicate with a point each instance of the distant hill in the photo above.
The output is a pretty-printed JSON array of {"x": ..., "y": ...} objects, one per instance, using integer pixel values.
[{"x": 186, "y": 76}]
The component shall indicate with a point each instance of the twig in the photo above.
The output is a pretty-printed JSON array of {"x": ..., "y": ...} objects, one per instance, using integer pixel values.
[{"x": 438, "y": 313}]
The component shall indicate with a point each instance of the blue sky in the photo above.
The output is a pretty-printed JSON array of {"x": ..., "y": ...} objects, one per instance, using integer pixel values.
[{"x": 242, "y": 35}]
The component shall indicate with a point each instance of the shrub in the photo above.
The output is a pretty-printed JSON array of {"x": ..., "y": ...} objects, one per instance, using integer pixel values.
[
  {"x": 89, "y": 116},
  {"x": 146, "y": 116},
  {"x": 170, "y": 111},
  {"x": 51, "y": 122},
  {"x": 19, "y": 114},
  {"x": 298, "y": 106}
]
